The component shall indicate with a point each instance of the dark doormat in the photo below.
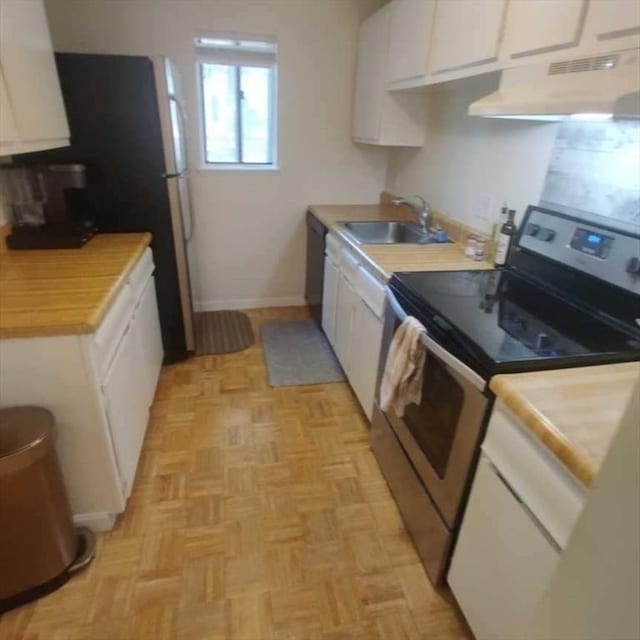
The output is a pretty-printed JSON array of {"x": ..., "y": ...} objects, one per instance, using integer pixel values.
[{"x": 222, "y": 332}]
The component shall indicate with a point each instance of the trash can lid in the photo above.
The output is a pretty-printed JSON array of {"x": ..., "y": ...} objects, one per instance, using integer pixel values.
[{"x": 22, "y": 428}]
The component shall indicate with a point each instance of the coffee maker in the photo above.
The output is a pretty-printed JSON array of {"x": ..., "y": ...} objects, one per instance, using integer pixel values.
[{"x": 48, "y": 206}]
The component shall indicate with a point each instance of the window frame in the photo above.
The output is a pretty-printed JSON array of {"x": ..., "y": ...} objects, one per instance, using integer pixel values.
[{"x": 206, "y": 165}]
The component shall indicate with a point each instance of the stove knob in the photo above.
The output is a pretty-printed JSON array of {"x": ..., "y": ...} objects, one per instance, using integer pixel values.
[
  {"x": 543, "y": 341},
  {"x": 633, "y": 266},
  {"x": 546, "y": 235}
]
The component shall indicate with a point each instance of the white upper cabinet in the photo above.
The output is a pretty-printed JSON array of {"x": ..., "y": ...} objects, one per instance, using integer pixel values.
[
  {"x": 434, "y": 41},
  {"x": 371, "y": 62},
  {"x": 31, "y": 92},
  {"x": 612, "y": 24},
  {"x": 466, "y": 33},
  {"x": 541, "y": 26},
  {"x": 380, "y": 117},
  {"x": 410, "y": 38}
]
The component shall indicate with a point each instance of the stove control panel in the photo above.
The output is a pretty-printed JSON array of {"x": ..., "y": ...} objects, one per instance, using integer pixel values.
[
  {"x": 607, "y": 254},
  {"x": 591, "y": 243}
]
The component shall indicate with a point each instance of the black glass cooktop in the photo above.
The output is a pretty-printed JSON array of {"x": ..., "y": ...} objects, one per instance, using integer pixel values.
[{"x": 499, "y": 321}]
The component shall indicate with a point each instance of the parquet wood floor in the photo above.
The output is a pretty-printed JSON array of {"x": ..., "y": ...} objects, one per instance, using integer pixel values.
[{"x": 256, "y": 513}]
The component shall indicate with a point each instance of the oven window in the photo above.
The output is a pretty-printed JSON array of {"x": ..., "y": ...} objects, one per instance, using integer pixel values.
[{"x": 433, "y": 423}]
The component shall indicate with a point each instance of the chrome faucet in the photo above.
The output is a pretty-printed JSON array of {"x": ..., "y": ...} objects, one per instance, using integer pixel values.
[{"x": 422, "y": 211}]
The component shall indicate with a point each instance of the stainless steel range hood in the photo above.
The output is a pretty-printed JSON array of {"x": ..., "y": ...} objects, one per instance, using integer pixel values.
[{"x": 592, "y": 88}]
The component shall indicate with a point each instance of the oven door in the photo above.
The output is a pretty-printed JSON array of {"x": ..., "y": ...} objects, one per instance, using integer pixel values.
[{"x": 441, "y": 436}]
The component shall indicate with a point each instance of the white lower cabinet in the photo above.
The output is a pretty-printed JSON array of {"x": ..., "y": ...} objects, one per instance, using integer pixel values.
[
  {"x": 503, "y": 561},
  {"x": 130, "y": 382},
  {"x": 352, "y": 318},
  {"x": 367, "y": 338},
  {"x": 125, "y": 390},
  {"x": 345, "y": 312},
  {"x": 330, "y": 299},
  {"x": 147, "y": 325},
  {"x": 521, "y": 512},
  {"x": 99, "y": 387}
]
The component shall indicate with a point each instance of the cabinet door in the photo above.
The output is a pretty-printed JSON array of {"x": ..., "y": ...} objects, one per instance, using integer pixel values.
[
  {"x": 8, "y": 131},
  {"x": 614, "y": 23},
  {"x": 345, "y": 312},
  {"x": 373, "y": 41},
  {"x": 540, "y": 26},
  {"x": 466, "y": 33},
  {"x": 146, "y": 324},
  {"x": 410, "y": 38},
  {"x": 125, "y": 390},
  {"x": 502, "y": 562},
  {"x": 366, "y": 342},
  {"x": 330, "y": 299},
  {"x": 30, "y": 75}
]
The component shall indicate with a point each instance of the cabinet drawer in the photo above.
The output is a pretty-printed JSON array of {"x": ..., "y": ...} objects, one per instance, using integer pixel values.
[
  {"x": 371, "y": 291},
  {"x": 109, "y": 333},
  {"x": 349, "y": 264},
  {"x": 332, "y": 248},
  {"x": 535, "y": 475},
  {"x": 140, "y": 274}
]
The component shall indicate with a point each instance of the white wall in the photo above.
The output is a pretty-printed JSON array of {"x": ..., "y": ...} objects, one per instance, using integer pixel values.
[
  {"x": 467, "y": 160},
  {"x": 250, "y": 236}
]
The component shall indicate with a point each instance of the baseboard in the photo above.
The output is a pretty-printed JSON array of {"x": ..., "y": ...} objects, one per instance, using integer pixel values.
[
  {"x": 249, "y": 303},
  {"x": 95, "y": 521}
]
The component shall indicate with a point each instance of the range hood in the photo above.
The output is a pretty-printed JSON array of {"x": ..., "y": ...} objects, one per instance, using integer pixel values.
[{"x": 592, "y": 88}]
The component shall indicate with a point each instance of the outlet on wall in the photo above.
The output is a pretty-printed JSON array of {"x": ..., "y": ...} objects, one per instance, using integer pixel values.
[{"x": 482, "y": 207}]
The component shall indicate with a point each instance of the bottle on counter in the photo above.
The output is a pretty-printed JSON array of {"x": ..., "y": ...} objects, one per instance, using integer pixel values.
[
  {"x": 505, "y": 238},
  {"x": 495, "y": 231}
]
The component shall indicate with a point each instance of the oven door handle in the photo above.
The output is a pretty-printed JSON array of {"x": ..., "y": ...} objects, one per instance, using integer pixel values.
[{"x": 440, "y": 352}]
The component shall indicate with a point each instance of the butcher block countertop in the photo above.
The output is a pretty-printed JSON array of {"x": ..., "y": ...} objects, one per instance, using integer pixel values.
[
  {"x": 386, "y": 259},
  {"x": 573, "y": 412},
  {"x": 64, "y": 291}
]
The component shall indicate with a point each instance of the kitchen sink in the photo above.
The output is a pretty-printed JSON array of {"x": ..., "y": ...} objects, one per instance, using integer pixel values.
[{"x": 388, "y": 233}]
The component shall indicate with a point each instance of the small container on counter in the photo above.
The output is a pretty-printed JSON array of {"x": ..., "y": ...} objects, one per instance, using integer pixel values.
[
  {"x": 470, "y": 247},
  {"x": 480, "y": 252}
]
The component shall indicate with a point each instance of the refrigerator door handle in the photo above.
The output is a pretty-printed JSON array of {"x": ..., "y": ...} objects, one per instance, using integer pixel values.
[{"x": 188, "y": 234}]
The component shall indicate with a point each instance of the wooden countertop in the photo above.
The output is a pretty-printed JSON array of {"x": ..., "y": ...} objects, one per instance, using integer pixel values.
[
  {"x": 573, "y": 412},
  {"x": 64, "y": 291},
  {"x": 386, "y": 259}
]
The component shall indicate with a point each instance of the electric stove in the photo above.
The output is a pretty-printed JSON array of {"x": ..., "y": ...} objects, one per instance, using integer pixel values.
[{"x": 569, "y": 296}]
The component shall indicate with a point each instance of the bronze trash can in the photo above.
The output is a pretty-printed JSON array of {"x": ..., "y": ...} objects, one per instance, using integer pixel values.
[{"x": 39, "y": 545}]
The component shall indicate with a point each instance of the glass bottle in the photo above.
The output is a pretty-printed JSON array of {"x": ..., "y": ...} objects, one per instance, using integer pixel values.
[{"x": 505, "y": 238}]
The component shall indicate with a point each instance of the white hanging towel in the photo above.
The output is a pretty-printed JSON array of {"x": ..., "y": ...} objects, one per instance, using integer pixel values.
[{"x": 402, "y": 378}]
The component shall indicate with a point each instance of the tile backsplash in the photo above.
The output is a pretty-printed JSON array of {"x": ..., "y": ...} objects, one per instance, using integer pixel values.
[{"x": 594, "y": 172}]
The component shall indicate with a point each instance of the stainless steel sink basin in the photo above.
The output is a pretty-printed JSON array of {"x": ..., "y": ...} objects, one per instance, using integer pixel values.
[{"x": 387, "y": 233}]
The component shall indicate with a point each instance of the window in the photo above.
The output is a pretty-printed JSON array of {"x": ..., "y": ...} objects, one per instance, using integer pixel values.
[{"x": 237, "y": 81}]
